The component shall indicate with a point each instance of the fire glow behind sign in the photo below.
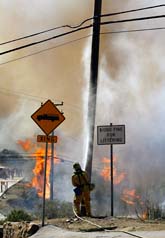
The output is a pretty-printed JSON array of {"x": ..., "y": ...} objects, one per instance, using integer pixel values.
[{"x": 112, "y": 134}]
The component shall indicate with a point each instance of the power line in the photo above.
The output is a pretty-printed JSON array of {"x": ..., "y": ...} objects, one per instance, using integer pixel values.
[
  {"x": 33, "y": 157},
  {"x": 133, "y": 10},
  {"x": 133, "y": 30},
  {"x": 23, "y": 158},
  {"x": 45, "y": 31},
  {"x": 7, "y": 92},
  {"x": 31, "y": 35},
  {"x": 34, "y": 98},
  {"x": 50, "y": 48},
  {"x": 66, "y": 43},
  {"x": 79, "y": 25},
  {"x": 41, "y": 41},
  {"x": 132, "y": 19},
  {"x": 81, "y": 28}
]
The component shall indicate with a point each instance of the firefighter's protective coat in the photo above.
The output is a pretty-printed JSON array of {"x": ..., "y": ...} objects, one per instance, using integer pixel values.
[{"x": 81, "y": 183}]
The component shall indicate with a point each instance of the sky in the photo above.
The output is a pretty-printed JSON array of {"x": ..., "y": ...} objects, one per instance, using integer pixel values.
[{"x": 130, "y": 83}]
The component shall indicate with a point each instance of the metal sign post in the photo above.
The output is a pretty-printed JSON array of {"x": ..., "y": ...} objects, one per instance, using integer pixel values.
[
  {"x": 109, "y": 135},
  {"x": 52, "y": 171},
  {"x": 47, "y": 117},
  {"x": 112, "y": 194},
  {"x": 44, "y": 189}
]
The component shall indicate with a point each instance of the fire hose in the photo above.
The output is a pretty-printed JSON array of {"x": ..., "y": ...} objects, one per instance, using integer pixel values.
[{"x": 98, "y": 226}]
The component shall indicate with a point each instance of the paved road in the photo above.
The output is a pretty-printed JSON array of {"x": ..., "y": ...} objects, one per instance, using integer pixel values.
[{"x": 55, "y": 232}]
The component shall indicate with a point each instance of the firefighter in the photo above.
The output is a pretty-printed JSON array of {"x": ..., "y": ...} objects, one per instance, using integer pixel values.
[{"x": 82, "y": 190}]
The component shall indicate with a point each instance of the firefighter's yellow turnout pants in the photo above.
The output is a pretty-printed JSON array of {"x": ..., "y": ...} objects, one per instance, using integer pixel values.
[{"x": 85, "y": 197}]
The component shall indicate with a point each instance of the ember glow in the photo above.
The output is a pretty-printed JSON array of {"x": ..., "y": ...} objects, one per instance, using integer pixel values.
[
  {"x": 38, "y": 152},
  {"x": 106, "y": 171}
]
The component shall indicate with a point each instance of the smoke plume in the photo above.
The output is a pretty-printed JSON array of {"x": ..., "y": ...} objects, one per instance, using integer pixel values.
[{"x": 130, "y": 89}]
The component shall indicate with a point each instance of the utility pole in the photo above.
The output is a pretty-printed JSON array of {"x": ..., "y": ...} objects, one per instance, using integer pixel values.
[{"x": 93, "y": 83}]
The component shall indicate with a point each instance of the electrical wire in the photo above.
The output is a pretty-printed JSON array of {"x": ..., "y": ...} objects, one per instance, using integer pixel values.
[
  {"x": 45, "y": 31},
  {"x": 42, "y": 41},
  {"x": 81, "y": 28},
  {"x": 7, "y": 92},
  {"x": 20, "y": 94},
  {"x": 44, "y": 50},
  {"x": 24, "y": 156},
  {"x": 35, "y": 98},
  {"x": 31, "y": 35},
  {"x": 133, "y": 30},
  {"x": 79, "y": 25},
  {"x": 132, "y": 19},
  {"x": 132, "y": 10},
  {"x": 66, "y": 43}
]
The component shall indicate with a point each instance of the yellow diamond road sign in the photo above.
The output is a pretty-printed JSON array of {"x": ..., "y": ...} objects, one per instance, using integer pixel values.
[{"x": 48, "y": 117}]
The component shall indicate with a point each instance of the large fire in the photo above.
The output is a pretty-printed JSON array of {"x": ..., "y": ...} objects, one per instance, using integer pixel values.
[
  {"x": 38, "y": 152},
  {"x": 38, "y": 171},
  {"x": 129, "y": 196},
  {"x": 27, "y": 145},
  {"x": 106, "y": 171}
]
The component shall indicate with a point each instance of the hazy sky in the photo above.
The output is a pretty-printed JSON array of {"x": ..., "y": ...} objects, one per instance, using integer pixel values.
[{"x": 131, "y": 75}]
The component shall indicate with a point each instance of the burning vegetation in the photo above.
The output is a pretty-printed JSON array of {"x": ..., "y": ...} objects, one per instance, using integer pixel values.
[
  {"x": 106, "y": 171},
  {"x": 38, "y": 155},
  {"x": 128, "y": 200}
]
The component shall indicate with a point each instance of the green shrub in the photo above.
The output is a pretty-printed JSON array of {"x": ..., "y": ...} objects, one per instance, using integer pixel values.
[
  {"x": 2, "y": 222},
  {"x": 55, "y": 209},
  {"x": 18, "y": 215}
]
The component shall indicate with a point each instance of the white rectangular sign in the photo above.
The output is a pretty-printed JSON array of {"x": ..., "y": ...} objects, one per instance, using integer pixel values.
[{"x": 112, "y": 134}]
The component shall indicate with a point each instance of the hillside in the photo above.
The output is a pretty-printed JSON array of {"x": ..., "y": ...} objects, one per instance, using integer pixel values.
[
  {"x": 23, "y": 196},
  {"x": 20, "y": 195}
]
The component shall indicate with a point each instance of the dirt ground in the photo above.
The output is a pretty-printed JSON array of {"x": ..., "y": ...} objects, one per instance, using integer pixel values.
[
  {"x": 88, "y": 224},
  {"x": 94, "y": 224}
]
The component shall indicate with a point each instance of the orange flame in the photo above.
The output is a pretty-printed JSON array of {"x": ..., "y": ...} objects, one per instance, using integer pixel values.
[
  {"x": 38, "y": 171},
  {"x": 129, "y": 196},
  {"x": 26, "y": 145},
  {"x": 145, "y": 215},
  {"x": 106, "y": 171}
]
